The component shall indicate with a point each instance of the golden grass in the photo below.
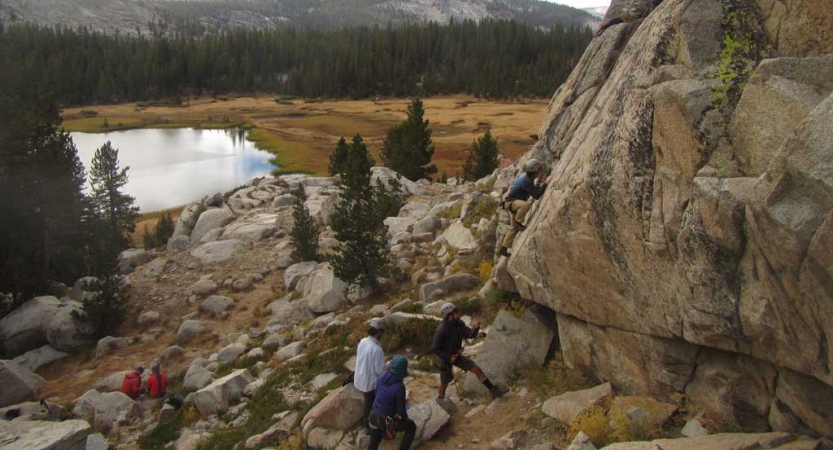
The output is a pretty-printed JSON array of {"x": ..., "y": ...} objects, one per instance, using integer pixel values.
[{"x": 303, "y": 133}]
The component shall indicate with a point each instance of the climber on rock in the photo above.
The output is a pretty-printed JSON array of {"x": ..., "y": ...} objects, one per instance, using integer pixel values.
[
  {"x": 389, "y": 414},
  {"x": 370, "y": 363},
  {"x": 518, "y": 201},
  {"x": 448, "y": 346}
]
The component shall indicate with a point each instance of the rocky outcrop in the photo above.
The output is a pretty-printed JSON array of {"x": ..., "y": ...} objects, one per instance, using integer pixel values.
[
  {"x": 689, "y": 211},
  {"x": 453, "y": 283},
  {"x": 44, "y": 435},
  {"x": 324, "y": 292},
  {"x": 24, "y": 328},
  {"x": 132, "y": 258},
  {"x": 513, "y": 343},
  {"x": 19, "y": 383},
  {"x": 215, "y": 252},
  {"x": 726, "y": 441},
  {"x": 430, "y": 418},
  {"x": 210, "y": 220},
  {"x": 105, "y": 410},
  {"x": 340, "y": 410},
  {"x": 222, "y": 393},
  {"x": 34, "y": 359},
  {"x": 566, "y": 407}
]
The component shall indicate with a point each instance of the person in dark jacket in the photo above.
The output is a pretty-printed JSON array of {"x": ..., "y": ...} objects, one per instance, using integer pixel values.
[
  {"x": 448, "y": 346},
  {"x": 390, "y": 405},
  {"x": 517, "y": 201},
  {"x": 132, "y": 383}
]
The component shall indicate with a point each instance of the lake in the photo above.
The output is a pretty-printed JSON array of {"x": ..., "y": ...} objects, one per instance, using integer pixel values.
[{"x": 172, "y": 167}]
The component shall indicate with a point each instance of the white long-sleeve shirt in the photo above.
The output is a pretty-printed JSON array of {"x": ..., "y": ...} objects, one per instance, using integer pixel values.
[{"x": 370, "y": 362}]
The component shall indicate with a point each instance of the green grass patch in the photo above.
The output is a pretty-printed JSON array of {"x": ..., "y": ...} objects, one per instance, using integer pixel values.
[
  {"x": 290, "y": 157},
  {"x": 266, "y": 402},
  {"x": 485, "y": 209},
  {"x": 418, "y": 335},
  {"x": 163, "y": 432},
  {"x": 413, "y": 308},
  {"x": 101, "y": 124}
]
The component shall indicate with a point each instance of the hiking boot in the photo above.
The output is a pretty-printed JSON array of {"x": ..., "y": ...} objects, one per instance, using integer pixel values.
[
  {"x": 499, "y": 391},
  {"x": 503, "y": 252}
]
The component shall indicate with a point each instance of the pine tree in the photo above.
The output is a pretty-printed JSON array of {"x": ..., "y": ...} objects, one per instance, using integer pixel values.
[
  {"x": 115, "y": 210},
  {"x": 338, "y": 157},
  {"x": 148, "y": 238},
  {"x": 106, "y": 308},
  {"x": 482, "y": 159},
  {"x": 304, "y": 230},
  {"x": 164, "y": 229},
  {"x": 359, "y": 227},
  {"x": 42, "y": 180},
  {"x": 408, "y": 148}
]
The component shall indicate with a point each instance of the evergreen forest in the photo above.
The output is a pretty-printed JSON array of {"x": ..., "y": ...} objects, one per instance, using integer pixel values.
[{"x": 491, "y": 58}]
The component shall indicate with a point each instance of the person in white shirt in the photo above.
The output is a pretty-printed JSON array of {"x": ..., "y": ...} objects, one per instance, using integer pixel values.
[{"x": 370, "y": 364}]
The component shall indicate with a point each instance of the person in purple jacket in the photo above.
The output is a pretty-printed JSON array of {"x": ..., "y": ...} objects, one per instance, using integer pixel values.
[{"x": 389, "y": 406}]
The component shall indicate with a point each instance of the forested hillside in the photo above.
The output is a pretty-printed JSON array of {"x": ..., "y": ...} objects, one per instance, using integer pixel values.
[
  {"x": 491, "y": 58},
  {"x": 205, "y": 16}
]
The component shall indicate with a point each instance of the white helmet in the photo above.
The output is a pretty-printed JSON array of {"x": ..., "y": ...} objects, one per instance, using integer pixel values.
[
  {"x": 448, "y": 308},
  {"x": 532, "y": 166},
  {"x": 377, "y": 323}
]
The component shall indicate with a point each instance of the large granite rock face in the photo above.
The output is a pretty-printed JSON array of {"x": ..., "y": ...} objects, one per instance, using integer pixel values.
[
  {"x": 19, "y": 383},
  {"x": 44, "y": 435},
  {"x": 689, "y": 210}
]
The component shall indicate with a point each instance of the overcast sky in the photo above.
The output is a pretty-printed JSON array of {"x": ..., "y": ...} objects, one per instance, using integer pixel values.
[{"x": 582, "y": 3}]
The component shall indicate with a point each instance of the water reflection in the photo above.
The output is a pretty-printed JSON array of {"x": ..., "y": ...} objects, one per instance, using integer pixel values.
[{"x": 171, "y": 167}]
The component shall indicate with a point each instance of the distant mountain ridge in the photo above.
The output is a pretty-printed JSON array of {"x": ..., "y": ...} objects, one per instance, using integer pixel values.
[
  {"x": 596, "y": 11},
  {"x": 148, "y": 16}
]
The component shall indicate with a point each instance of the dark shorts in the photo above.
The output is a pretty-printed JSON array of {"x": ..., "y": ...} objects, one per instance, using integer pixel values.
[{"x": 446, "y": 371}]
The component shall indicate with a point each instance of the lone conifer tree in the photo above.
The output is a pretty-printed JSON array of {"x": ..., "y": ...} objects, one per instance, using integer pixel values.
[
  {"x": 305, "y": 230},
  {"x": 482, "y": 160},
  {"x": 115, "y": 209},
  {"x": 164, "y": 229},
  {"x": 408, "y": 148},
  {"x": 362, "y": 256},
  {"x": 338, "y": 157}
]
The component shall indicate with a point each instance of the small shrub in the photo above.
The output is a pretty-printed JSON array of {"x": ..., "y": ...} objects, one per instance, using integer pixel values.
[
  {"x": 413, "y": 308},
  {"x": 451, "y": 213},
  {"x": 485, "y": 209},
  {"x": 418, "y": 335},
  {"x": 485, "y": 269},
  {"x": 164, "y": 432},
  {"x": 553, "y": 378},
  {"x": 470, "y": 306},
  {"x": 148, "y": 238},
  {"x": 593, "y": 423},
  {"x": 89, "y": 113}
]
